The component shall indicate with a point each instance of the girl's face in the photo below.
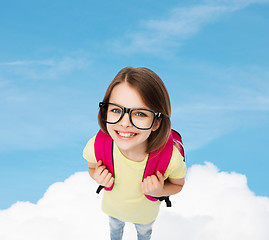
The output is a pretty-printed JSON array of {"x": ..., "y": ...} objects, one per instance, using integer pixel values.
[{"x": 131, "y": 141}]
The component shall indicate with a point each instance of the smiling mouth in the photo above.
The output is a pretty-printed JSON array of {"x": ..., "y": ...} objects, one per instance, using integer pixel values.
[{"x": 126, "y": 134}]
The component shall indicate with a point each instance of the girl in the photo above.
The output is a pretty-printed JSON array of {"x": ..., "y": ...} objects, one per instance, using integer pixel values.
[{"x": 135, "y": 112}]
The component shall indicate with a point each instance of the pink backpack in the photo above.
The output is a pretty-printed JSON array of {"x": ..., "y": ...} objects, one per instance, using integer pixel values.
[{"x": 158, "y": 160}]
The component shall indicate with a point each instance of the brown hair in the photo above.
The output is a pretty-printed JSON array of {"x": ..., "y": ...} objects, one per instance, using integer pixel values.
[{"x": 154, "y": 94}]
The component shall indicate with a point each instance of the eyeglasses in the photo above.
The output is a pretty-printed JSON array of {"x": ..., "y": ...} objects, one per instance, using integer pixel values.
[{"x": 140, "y": 118}]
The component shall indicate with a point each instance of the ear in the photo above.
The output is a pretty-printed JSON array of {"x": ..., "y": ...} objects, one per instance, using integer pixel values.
[{"x": 157, "y": 124}]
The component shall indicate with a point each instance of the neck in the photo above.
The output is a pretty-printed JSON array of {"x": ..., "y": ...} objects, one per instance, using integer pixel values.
[{"x": 134, "y": 155}]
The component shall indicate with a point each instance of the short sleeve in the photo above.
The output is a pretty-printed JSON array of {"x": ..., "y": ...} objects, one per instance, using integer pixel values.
[
  {"x": 88, "y": 152},
  {"x": 177, "y": 167}
]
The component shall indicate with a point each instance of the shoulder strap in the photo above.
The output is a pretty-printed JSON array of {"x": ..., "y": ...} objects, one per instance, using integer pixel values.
[
  {"x": 178, "y": 141},
  {"x": 103, "y": 149},
  {"x": 160, "y": 159}
]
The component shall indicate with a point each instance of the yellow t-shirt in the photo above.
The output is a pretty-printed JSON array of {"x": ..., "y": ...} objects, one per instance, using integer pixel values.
[{"x": 126, "y": 202}]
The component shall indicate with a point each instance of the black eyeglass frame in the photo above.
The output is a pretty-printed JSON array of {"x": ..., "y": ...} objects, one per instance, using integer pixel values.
[{"x": 129, "y": 111}]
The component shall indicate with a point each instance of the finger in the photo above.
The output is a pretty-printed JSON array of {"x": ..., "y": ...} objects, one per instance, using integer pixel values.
[
  {"x": 144, "y": 186},
  {"x": 101, "y": 177},
  {"x": 98, "y": 174},
  {"x": 160, "y": 176},
  {"x": 155, "y": 183},
  {"x": 145, "y": 189},
  {"x": 111, "y": 181},
  {"x": 98, "y": 164},
  {"x": 154, "y": 179},
  {"x": 98, "y": 171},
  {"x": 150, "y": 180},
  {"x": 98, "y": 177},
  {"x": 104, "y": 174},
  {"x": 149, "y": 185},
  {"x": 107, "y": 179}
]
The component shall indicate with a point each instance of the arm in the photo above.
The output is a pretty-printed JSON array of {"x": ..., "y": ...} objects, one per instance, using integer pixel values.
[
  {"x": 155, "y": 185},
  {"x": 100, "y": 174},
  {"x": 173, "y": 186}
]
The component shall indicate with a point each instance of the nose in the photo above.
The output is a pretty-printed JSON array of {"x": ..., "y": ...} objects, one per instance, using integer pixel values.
[{"x": 125, "y": 121}]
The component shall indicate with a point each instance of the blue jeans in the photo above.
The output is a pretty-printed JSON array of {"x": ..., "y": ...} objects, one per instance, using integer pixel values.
[{"x": 116, "y": 229}]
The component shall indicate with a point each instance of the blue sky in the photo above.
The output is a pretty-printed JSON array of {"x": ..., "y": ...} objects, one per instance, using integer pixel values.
[{"x": 58, "y": 57}]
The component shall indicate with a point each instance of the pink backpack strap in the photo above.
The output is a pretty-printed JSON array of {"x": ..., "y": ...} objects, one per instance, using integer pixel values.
[
  {"x": 103, "y": 149},
  {"x": 178, "y": 140},
  {"x": 158, "y": 161}
]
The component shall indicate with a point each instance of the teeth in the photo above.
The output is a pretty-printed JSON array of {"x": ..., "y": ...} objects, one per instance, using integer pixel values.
[{"x": 126, "y": 134}]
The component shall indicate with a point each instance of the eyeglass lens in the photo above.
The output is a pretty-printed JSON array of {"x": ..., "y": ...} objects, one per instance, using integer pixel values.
[{"x": 140, "y": 118}]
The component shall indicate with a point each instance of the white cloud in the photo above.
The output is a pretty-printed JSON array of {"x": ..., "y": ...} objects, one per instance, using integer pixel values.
[
  {"x": 219, "y": 205},
  {"x": 213, "y": 205},
  {"x": 156, "y": 35}
]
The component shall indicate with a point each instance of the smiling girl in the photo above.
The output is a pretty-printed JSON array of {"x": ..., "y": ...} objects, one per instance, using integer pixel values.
[{"x": 135, "y": 113}]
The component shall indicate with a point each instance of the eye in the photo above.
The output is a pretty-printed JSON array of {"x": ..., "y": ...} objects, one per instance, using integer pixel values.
[
  {"x": 116, "y": 110},
  {"x": 141, "y": 114}
]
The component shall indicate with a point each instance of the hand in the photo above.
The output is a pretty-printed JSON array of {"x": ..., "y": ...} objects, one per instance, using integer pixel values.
[
  {"x": 153, "y": 185},
  {"x": 102, "y": 176}
]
